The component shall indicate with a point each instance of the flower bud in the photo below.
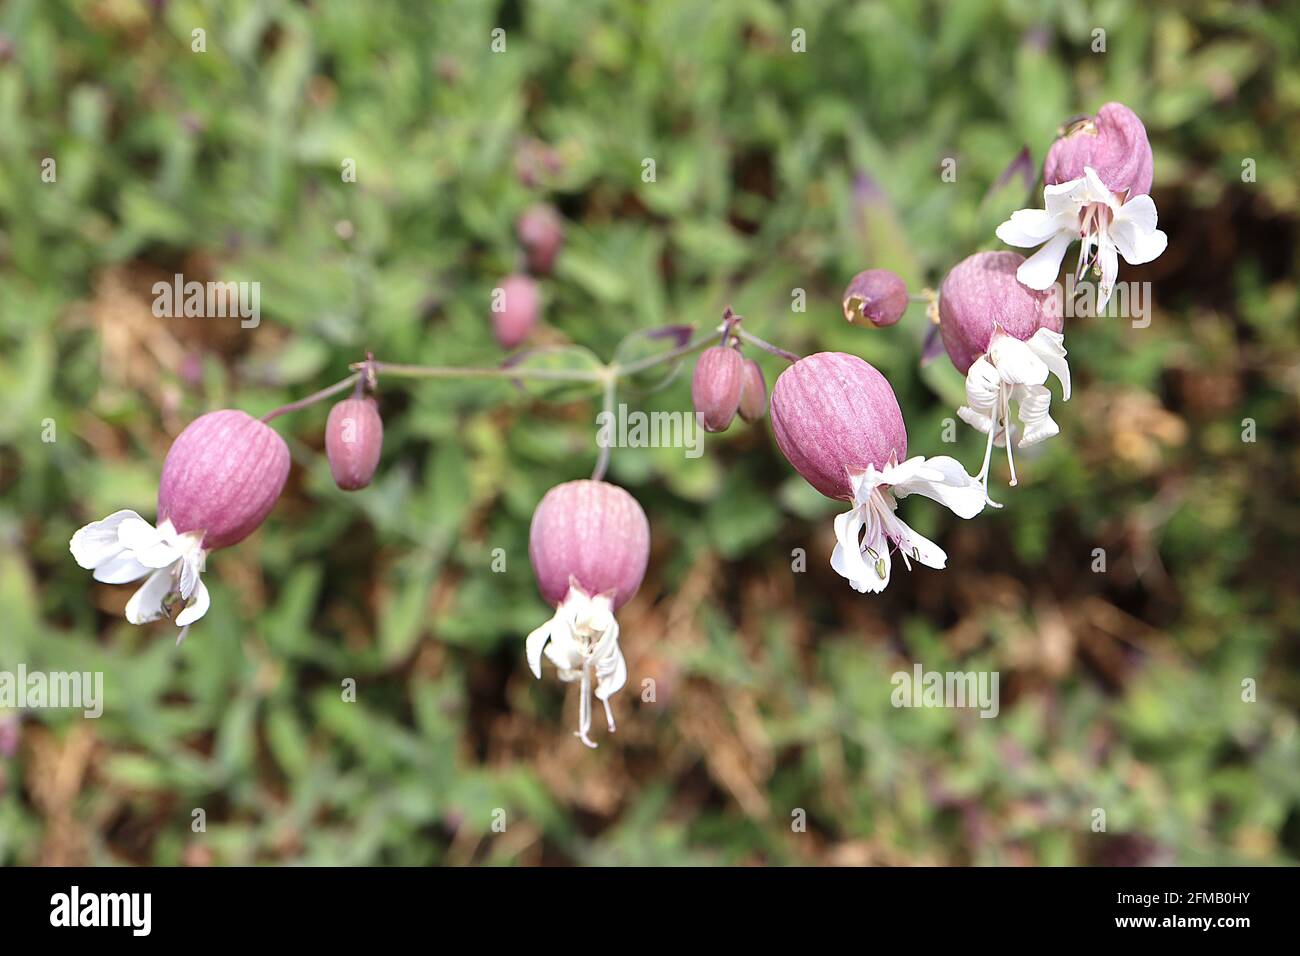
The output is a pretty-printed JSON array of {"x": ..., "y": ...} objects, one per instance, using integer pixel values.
[
  {"x": 877, "y": 297},
  {"x": 222, "y": 476},
  {"x": 1114, "y": 143},
  {"x": 833, "y": 413},
  {"x": 753, "y": 392},
  {"x": 541, "y": 233},
  {"x": 716, "y": 386},
  {"x": 590, "y": 533},
  {"x": 982, "y": 292},
  {"x": 516, "y": 304},
  {"x": 354, "y": 436}
]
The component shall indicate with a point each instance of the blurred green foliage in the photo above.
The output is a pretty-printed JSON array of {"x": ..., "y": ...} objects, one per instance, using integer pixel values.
[{"x": 775, "y": 171}]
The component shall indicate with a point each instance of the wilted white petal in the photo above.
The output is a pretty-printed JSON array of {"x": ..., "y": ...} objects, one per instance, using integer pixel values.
[
  {"x": 611, "y": 674},
  {"x": 1035, "y": 402},
  {"x": 1049, "y": 346},
  {"x": 982, "y": 385},
  {"x": 147, "y": 603}
]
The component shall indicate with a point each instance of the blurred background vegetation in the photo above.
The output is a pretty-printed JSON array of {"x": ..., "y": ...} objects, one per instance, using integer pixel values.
[{"x": 775, "y": 170}]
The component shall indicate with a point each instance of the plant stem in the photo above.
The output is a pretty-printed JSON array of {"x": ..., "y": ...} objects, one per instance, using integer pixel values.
[
  {"x": 765, "y": 346},
  {"x": 313, "y": 398},
  {"x": 430, "y": 371},
  {"x": 607, "y": 444},
  {"x": 620, "y": 371}
]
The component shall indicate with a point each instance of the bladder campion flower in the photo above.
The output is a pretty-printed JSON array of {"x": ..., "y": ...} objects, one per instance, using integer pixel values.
[
  {"x": 838, "y": 423},
  {"x": 589, "y": 544},
  {"x": 222, "y": 475}
]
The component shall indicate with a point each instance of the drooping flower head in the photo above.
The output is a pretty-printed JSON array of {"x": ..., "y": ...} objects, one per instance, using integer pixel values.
[
  {"x": 1006, "y": 338},
  {"x": 516, "y": 305},
  {"x": 589, "y": 544},
  {"x": 716, "y": 386},
  {"x": 875, "y": 297},
  {"x": 1098, "y": 180},
  {"x": 220, "y": 479},
  {"x": 354, "y": 438},
  {"x": 837, "y": 422}
]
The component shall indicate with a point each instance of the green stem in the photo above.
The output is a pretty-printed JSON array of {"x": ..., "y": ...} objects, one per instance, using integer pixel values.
[
  {"x": 430, "y": 371},
  {"x": 313, "y": 398},
  {"x": 765, "y": 346},
  {"x": 632, "y": 368},
  {"x": 606, "y": 446}
]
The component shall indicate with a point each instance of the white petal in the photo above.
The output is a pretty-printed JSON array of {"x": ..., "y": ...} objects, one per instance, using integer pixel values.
[
  {"x": 1064, "y": 200},
  {"x": 1049, "y": 346},
  {"x": 904, "y": 471},
  {"x": 1135, "y": 246},
  {"x": 1139, "y": 213},
  {"x": 1096, "y": 190},
  {"x": 982, "y": 385},
  {"x": 190, "y": 567},
  {"x": 1040, "y": 270},
  {"x": 951, "y": 486},
  {"x": 147, "y": 603},
  {"x": 611, "y": 674},
  {"x": 1028, "y": 228},
  {"x": 917, "y": 547},
  {"x": 1035, "y": 402},
  {"x": 981, "y": 423},
  {"x": 197, "y": 606},
  {"x": 536, "y": 641},
  {"x": 120, "y": 569},
  {"x": 1109, "y": 263},
  {"x": 846, "y": 559},
  {"x": 147, "y": 543},
  {"x": 97, "y": 542},
  {"x": 1015, "y": 361}
]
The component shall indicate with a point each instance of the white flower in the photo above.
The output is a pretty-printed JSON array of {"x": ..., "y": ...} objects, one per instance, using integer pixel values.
[
  {"x": 124, "y": 547},
  {"x": 1084, "y": 209},
  {"x": 582, "y": 639},
  {"x": 870, "y": 531},
  {"x": 1014, "y": 371}
]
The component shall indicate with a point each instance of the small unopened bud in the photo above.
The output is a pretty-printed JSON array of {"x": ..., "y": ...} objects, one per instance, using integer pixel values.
[
  {"x": 354, "y": 437},
  {"x": 753, "y": 393},
  {"x": 222, "y": 476},
  {"x": 541, "y": 233},
  {"x": 1113, "y": 143},
  {"x": 877, "y": 297},
  {"x": 716, "y": 386},
  {"x": 516, "y": 304}
]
